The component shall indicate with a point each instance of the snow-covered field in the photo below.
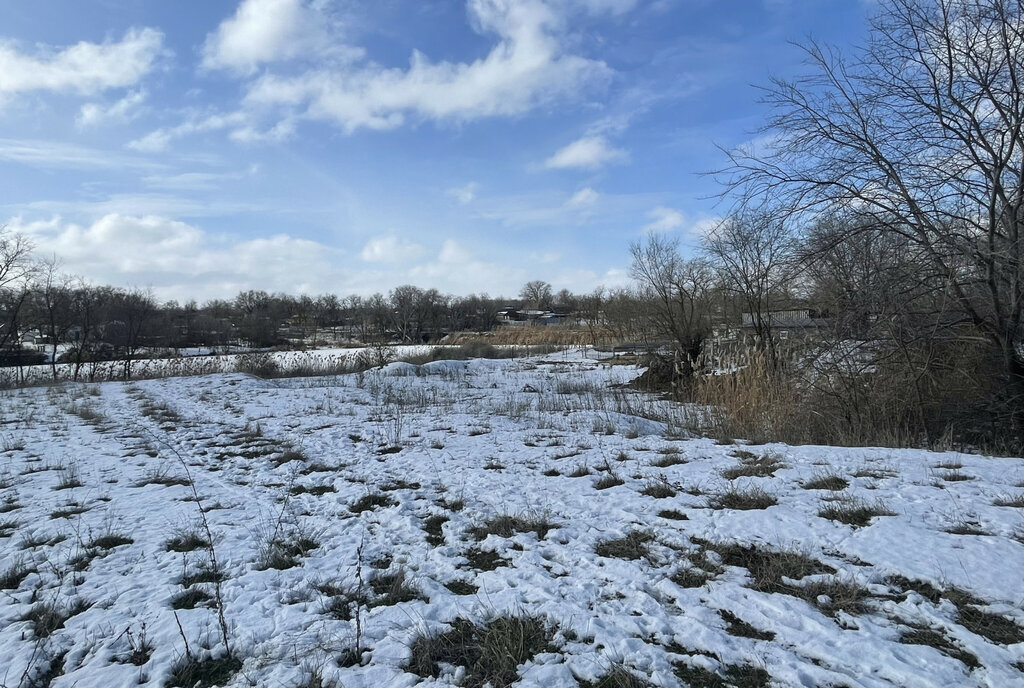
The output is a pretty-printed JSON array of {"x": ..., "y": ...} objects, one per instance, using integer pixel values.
[{"x": 377, "y": 529}]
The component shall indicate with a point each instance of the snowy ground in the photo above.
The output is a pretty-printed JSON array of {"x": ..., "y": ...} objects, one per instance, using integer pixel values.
[{"x": 367, "y": 509}]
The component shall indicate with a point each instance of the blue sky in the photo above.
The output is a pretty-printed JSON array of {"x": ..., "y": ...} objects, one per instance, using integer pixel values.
[{"x": 203, "y": 147}]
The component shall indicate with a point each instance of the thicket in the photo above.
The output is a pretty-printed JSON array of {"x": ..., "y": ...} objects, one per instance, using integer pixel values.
[{"x": 881, "y": 228}]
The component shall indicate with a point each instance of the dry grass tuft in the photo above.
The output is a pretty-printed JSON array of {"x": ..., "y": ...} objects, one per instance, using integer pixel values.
[{"x": 491, "y": 652}]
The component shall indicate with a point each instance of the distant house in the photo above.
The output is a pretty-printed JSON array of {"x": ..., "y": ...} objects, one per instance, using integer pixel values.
[
  {"x": 35, "y": 340},
  {"x": 798, "y": 321},
  {"x": 510, "y": 315}
]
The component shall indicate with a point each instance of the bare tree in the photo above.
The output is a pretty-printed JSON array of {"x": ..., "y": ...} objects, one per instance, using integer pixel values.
[
  {"x": 679, "y": 293},
  {"x": 536, "y": 294},
  {"x": 15, "y": 268},
  {"x": 132, "y": 312},
  {"x": 52, "y": 306},
  {"x": 923, "y": 134},
  {"x": 753, "y": 253}
]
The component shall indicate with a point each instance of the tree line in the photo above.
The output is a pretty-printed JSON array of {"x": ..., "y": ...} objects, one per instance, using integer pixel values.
[{"x": 70, "y": 320}]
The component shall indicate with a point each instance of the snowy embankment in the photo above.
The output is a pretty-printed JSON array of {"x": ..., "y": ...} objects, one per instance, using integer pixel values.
[
  {"x": 361, "y": 522},
  {"x": 191, "y": 363}
]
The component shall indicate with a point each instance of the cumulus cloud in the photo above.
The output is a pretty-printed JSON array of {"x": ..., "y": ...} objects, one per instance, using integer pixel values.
[
  {"x": 264, "y": 31},
  {"x": 527, "y": 67},
  {"x": 124, "y": 110},
  {"x": 664, "y": 219},
  {"x": 457, "y": 270},
  {"x": 390, "y": 249},
  {"x": 85, "y": 68},
  {"x": 589, "y": 152},
  {"x": 180, "y": 260}
]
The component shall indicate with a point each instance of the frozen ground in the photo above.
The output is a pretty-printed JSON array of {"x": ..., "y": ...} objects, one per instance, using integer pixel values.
[{"x": 358, "y": 517}]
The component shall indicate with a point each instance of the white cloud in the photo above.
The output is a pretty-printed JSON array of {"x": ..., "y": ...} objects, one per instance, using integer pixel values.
[
  {"x": 57, "y": 155},
  {"x": 124, "y": 110},
  {"x": 528, "y": 67},
  {"x": 190, "y": 181},
  {"x": 86, "y": 68},
  {"x": 180, "y": 260},
  {"x": 590, "y": 152},
  {"x": 586, "y": 281},
  {"x": 704, "y": 226},
  {"x": 160, "y": 204},
  {"x": 390, "y": 249},
  {"x": 250, "y": 133},
  {"x": 464, "y": 194},
  {"x": 546, "y": 257},
  {"x": 264, "y": 31},
  {"x": 160, "y": 140},
  {"x": 453, "y": 252},
  {"x": 583, "y": 198},
  {"x": 457, "y": 270},
  {"x": 664, "y": 219}
]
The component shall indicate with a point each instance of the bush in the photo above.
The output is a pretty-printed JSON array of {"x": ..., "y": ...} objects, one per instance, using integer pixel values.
[{"x": 835, "y": 394}]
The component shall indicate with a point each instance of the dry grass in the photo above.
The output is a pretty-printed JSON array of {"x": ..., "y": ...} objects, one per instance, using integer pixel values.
[
  {"x": 1016, "y": 501},
  {"x": 433, "y": 525},
  {"x": 753, "y": 466},
  {"x": 728, "y": 676},
  {"x": 393, "y": 588},
  {"x": 48, "y": 617},
  {"x": 484, "y": 560},
  {"x": 936, "y": 639},
  {"x": 507, "y": 525},
  {"x": 607, "y": 481},
  {"x": 994, "y": 627},
  {"x": 690, "y": 577},
  {"x": 617, "y": 676},
  {"x": 740, "y": 628},
  {"x": 826, "y": 481},
  {"x": 853, "y": 511},
  {"x": 12, "y": 577},
  {"x": 669, "y": 457},
  {"x": 491, "y": 652},
  {"x": 192, "y": 671},
  {"x": 750, "y": 498},
  {"x": 631, "y": 546},
  {"x": 658, "y": 489},
  {"x": 370, "y": 502}
]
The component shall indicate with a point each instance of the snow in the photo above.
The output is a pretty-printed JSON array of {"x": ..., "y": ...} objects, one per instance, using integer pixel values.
[{"x": 487, "y": 433}]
